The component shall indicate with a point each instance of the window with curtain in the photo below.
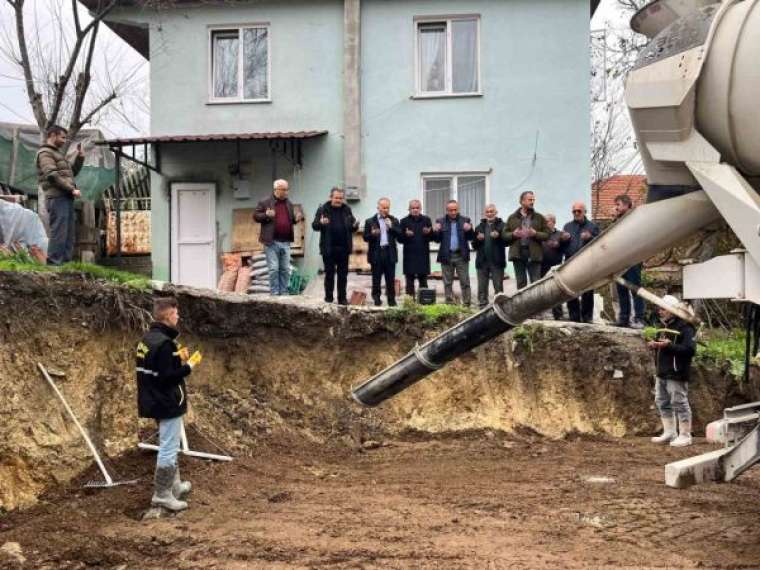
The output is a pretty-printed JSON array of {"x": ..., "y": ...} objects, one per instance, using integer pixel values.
[
  {"x": 448, "y": 56},
  {"x": 467, "y": 189},
  {"x": 240, "y": 73}
]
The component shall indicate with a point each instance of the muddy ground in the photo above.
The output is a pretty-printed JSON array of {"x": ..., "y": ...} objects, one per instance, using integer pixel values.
[
  {"x": 483, "y": 465},
  {"x": 477, "y": 500}
]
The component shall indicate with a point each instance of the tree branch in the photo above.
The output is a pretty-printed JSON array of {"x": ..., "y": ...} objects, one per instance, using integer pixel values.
[{"x": 35, "y": 99}]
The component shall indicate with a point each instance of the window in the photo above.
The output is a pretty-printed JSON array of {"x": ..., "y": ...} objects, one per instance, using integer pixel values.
[
  {"x": 470, "y": 190},
  {"x": 448, "y": 58},
  {"x": 240, "y": 73}
]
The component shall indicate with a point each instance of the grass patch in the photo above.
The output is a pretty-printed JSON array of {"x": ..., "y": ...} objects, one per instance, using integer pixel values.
[
  {"x": 527, "y": 335},
  {"x": 723, "y": 349},
  {"x": 22, "y": 262},
  {"x": 428, "y": 314}
]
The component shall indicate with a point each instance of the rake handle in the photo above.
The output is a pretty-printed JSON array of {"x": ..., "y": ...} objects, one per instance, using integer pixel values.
[{"x": 76, "y": 421}]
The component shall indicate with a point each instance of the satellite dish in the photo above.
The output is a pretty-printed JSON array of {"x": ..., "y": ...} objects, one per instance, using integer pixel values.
[{"x": 658, "y": 15}]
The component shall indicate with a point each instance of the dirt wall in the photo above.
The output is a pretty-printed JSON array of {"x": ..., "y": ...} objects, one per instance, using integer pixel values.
[{"x": 277, "y": 370}]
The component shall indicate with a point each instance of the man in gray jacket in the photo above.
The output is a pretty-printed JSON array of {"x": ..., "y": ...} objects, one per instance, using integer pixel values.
[{"x": 56, "y": 179}]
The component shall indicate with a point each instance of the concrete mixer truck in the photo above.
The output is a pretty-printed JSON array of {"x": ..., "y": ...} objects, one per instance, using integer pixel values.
[{"x": 694, "y": 100}]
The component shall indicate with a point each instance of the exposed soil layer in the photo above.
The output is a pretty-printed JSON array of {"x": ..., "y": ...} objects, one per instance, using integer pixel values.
[
  {"x": 478, "y": 500},
  {"x": 486, "y": 464}
]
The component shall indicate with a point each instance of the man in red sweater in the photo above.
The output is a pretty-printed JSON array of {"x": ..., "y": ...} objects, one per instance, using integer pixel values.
[{"x": 277, "y": 218}]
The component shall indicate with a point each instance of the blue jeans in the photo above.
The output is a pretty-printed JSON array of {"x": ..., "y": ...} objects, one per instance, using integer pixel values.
[
  {"x": 672, "y": 396},
  {"x": 624, "y": 296},
  {"x": 278, "y": 262},
  {"x": 62, "y": 229},
  {"x": 169, "y": 433}
]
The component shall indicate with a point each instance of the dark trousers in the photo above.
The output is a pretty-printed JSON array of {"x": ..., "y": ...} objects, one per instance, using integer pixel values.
[
  {"x": 525, "y": 268},
  {"x": 384, "y": 267},
  {"x": 410, "y": 277},
  {"x": 556, "y": 311},
  {"x": 624, "y": 296},
  {"x": 336, "y": 262},
  {"x": 62, "y": 229},
  {"x": 485, "y": 274},
  {"x": 582, "y": 310}
]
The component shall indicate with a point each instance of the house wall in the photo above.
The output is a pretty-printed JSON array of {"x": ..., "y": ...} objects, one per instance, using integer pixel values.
[
  {"x": 306, "y": 47},
  {"x": 529, "y": 128}
]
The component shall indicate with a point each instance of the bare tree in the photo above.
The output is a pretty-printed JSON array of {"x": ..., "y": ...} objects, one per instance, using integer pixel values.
[{"x": 56, "y": 61}]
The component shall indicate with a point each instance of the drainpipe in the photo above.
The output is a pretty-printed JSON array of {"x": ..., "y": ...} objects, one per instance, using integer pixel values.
[{"x": 352, "y": 120}]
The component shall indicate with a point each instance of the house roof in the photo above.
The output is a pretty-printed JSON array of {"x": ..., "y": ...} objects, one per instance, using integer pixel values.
[
  {"x": 603, "y": 194},
  {"x": 137, "y": 35},
  {"x": 268, "y": 135}
]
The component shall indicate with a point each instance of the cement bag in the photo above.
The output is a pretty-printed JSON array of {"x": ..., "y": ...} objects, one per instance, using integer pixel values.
[
  {"x": 18, "y": 224},
  {"x": 259, "y": 273},
  {"x": 228, "y": 280},
  {"x": 258, "y": 264},
  {"x": 243, "y": 280},
  {"x": 258, "y": 290},
  {"x": 259, "y": 257}
]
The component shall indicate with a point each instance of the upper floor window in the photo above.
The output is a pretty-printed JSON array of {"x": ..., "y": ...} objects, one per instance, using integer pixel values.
[
  {"x": 448, "y": 56},
  {"x": 240, "y": 64}
]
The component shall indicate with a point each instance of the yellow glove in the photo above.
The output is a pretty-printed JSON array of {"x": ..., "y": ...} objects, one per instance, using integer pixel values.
[
  {"x": 195, "y": 359},
  {"x": 183, "y": 353}
]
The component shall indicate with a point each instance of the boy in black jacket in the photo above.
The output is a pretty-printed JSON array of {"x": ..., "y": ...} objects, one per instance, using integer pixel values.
[
  {"x": 675, "y": 347},
  {"x": 162, "y": 365}
]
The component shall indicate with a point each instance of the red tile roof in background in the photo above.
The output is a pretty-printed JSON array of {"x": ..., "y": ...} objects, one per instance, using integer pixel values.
[{"x": 603, "y": 194}]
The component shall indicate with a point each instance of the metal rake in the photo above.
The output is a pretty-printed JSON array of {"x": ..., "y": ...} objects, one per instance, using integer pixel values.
[{"x": 109, "y": 481}]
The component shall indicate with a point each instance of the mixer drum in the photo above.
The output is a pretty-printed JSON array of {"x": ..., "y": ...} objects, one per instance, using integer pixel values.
[{"x": 728, "y": 92}]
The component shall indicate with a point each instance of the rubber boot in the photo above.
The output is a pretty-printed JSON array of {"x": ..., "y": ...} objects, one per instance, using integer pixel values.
[
  {"x": 180, "y": 488},
  {"x": 162, "y": 495},
  {"x": 668, "y": 431},
  {"x": 684, "y": 435}
]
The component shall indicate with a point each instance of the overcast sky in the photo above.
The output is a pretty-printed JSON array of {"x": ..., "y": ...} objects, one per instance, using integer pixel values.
[{"x": 14, "y": 105}]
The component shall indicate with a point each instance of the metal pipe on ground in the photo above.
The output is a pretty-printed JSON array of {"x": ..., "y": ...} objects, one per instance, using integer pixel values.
[{"x": 637, "y": 237}]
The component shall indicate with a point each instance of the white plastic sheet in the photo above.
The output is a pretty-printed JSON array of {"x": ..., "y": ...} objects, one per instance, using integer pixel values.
[{"x": 18, "y": 224}]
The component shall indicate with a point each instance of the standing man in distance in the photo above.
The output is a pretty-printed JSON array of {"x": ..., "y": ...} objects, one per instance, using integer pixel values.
[
  {"x": 416, "y": 233},
  {"x": 552, "y": 254},
  {"x": 454, "y": 232},
  {"x": 55, "y": 177},
  {"x": 381, "y": 232},
  {"x": 524, "y": 231},
  {"x": 624, "y": 205},
  {"x": 575, "y": 236},
  {"x": 490, "y": 259},
  {"x": 277, "y": 217},
  {"x": 336, "y": 224}
]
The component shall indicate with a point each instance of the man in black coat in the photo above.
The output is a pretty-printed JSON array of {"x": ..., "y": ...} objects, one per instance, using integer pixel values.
[
  {"x": 162, "y": 365},
  {"x": 552, "y": 254},
  {"x": 416, "y": 233},
  {"x": 381, "y": 232},
  {"x": 575, "y": 236},
  {"x": 336, "y": 225},
  {"x": 454, "y": 233},
  {"x": 491, "y": 258}
]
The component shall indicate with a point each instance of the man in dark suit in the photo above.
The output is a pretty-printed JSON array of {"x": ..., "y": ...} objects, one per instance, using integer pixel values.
[
  {"x": 381, "y": 232},
  {"x": 416, "y": 233},
  {"x": 491, "y": 258}
]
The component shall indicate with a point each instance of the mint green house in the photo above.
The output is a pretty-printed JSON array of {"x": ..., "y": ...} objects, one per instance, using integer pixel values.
[{"x": 475, "y": 100}]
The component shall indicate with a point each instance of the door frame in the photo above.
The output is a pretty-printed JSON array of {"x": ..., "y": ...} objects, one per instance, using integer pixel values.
[{"x": 174, "y": 219}]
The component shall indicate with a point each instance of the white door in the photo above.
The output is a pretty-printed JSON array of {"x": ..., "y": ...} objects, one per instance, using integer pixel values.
[{"x": 194, "y": 234}]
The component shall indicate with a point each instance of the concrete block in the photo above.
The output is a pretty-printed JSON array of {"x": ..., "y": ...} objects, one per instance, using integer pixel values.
[{"x": 695, "y": 470}]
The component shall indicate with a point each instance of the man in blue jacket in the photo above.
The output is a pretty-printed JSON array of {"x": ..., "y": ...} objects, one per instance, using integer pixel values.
[
  {"x": 575, "y": 236},
  {"x": 454, "y": 233},
  {"x": 162, "y": 365}
]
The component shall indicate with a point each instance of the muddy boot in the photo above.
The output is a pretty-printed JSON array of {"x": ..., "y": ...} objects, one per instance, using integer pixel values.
[
  {"x": 162, "y": 495},
  {"x": 668, "y": 431},
  {"x": 180, "y": 488},
  {"x": 684, "y": 435}
]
